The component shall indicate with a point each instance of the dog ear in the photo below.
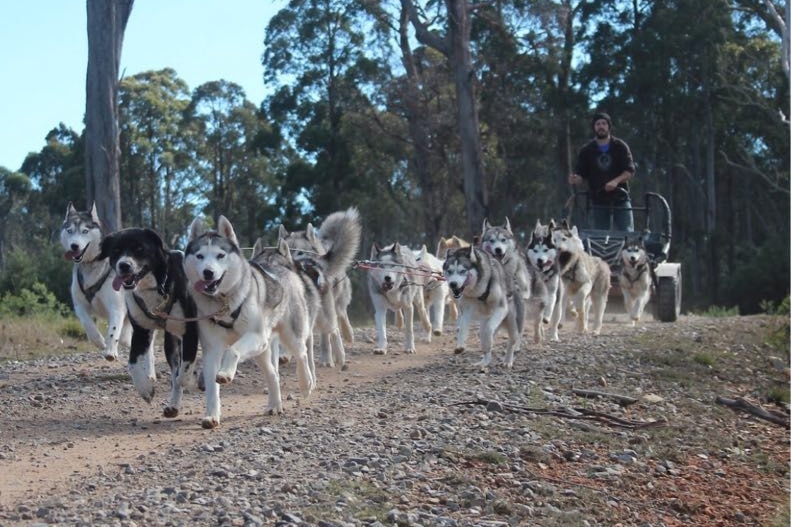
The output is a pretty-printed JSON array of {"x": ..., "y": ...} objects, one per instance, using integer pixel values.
[
  {"x": 314, "y": 240},
  {"x": 375, "y": 250},
  {"x": 507, "y": 224},
  {"x": 225, "y": 228},
  {"x": 282, "y": 232},
  {"x": 282, "y": 248},
  {"x": 106, "y": 246},
  {"x": 196, "y": 229},
  {"x": 258, "y": 246},
  {"x": 95, "y": 214},
  {"x": 69, "y": 211}
]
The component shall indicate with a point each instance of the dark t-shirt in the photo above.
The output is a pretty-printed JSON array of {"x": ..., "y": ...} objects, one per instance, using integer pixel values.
[{"x": 599, "y": 164}]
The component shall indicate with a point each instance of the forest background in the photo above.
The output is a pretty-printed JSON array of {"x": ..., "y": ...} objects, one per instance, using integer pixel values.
[{"x": 364, "y": 111}]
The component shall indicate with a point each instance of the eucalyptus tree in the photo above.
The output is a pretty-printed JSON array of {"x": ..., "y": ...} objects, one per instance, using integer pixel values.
[
  {"x": 14, "y": 190},
  {"x": 451, "y": 38},
  {"x": 106, "y": 22},
  {"x": 315, "y": 61},
  {"x": 226, "y": 130},
  {"x": 157, "y": 173}
]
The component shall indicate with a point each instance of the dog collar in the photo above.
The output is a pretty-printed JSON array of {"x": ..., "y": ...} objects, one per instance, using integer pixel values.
[{"x": 485, "y": 294}]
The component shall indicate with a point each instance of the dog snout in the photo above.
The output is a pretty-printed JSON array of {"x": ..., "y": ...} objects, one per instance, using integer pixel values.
[
  {"x": 74, "y": 247},
  {"x": 124, "y": 267},
  {"x": 388, "y": 279},
  {"x": 208, "y": 274}
]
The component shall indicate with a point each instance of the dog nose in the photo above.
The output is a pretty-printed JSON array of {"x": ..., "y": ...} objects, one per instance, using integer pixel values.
[
  {"x": 75, "y": 247},
  {"x": 124, "y": 267},
  {"x": 388, "y": 279},
  {"x": 208, "y": 274}
]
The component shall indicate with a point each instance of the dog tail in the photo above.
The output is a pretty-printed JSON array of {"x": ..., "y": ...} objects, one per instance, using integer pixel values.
[{"x": 341, "y": 233}]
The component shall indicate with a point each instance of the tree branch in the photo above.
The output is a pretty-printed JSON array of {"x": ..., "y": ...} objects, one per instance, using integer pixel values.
[
  {"x": 740, "y": 403},
  {"x": 424, "y": 36}
]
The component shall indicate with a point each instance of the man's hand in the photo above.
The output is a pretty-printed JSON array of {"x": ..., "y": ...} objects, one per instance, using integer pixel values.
[
  {"x": 611, "y": 185},
  {"x": 574, "y": 179}
]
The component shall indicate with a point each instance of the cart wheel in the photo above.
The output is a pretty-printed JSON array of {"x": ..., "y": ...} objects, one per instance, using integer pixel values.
[{"x": 668, "y": 298}]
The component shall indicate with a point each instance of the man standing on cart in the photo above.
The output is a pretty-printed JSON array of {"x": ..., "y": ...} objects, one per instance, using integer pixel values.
[{"x": 606, "y": 164}]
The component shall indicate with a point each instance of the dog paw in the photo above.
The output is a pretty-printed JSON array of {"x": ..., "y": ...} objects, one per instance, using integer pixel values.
[
  {"x": 545, "y": 320},
  {"x": 223, "y": 378},
  {"x": 274, "y": 410},
  {"x": 110, "y": 356},
  {"x": 380, "y": 351},
  {"x": 170, "y": 412},
  {"x": 437, "y": 332},
  {"x": 458, "y": 351},
  {"x": 410, "y": 351},
  {"x": 210, "y": 423}
]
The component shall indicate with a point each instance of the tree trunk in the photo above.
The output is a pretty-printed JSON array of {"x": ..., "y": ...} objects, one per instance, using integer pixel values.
[
  {"x": 106, "y": 25},
  {"x": 476, "y": 194},
  {"x": 456, "y": 47}
]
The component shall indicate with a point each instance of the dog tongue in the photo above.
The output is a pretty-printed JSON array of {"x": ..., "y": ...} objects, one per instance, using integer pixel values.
[
  {"x": 68, "y": 255},
  {"x": 200, "y": 286},
  {"x": 118, "y": 283}
]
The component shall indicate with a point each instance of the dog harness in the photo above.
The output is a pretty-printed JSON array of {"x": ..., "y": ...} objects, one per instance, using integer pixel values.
[
  {"x": 235, "y": 313},
  {"x": 91, "y": 291},
  {"x": 640, "y": 270}
]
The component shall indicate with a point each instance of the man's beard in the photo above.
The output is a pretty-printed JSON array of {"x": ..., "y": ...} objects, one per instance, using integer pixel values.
[{"x": 601, "y": 134}]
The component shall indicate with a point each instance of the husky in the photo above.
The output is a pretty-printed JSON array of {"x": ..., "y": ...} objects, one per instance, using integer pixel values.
[
  {"x": 635, "y": 277},
  {"x": 484, "y": 292},
  {"x": 530, "y": 290},
  {"x": 155, "y": 288},
  {"x": 586, "y": 278},
  {"x": 542, "y": 256},
  {"x": 394, "y": 284},
  {"x": 326, "y": 254},
  {"x": 91, "y": 284},
  {"x": 241, "y": 305},
  {"x": 436, "y": 293},
  {"x": 281, "y": 256}
]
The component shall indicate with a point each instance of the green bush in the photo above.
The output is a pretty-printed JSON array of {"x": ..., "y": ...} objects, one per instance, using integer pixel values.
[
  {"x": 23, "y": 268},
  {"x": 761, "y": 276},
  {"x": 36, "y": 300}
]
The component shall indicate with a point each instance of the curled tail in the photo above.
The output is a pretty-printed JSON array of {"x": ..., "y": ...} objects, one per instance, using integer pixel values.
[{"x": 341, "y": 233}]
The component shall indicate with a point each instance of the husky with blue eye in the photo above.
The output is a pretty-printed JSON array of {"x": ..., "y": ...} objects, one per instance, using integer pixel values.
[
  {"x": 92, "y": 292},
  {"x": 242, "y": 304},
  {"x": 485, "y": 293}
]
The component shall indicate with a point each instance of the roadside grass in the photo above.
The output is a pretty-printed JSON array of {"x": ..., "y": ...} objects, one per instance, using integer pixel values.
[{"x": 41, "y": 335}]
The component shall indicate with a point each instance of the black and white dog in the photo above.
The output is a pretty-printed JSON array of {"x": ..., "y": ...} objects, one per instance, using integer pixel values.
[{"x": 155, "y": 289}]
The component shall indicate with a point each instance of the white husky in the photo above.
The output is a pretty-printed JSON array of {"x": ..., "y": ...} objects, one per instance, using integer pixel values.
[
  {"x": 436, "y": 293},
  {"x": 91, "y": 282},
  {"x": 635, "y": 278},
  {"x": 394, "y": 285},
  {"x": 241, "y": 305}
]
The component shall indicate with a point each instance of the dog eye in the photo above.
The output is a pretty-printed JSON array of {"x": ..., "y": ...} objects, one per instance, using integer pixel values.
[
  {"x": 221, "y": 256},
  {"x": 199, "y": 256}
]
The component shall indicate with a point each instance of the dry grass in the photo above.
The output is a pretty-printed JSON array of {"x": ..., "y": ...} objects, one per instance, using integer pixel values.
[{"x": 27, "y": 338}]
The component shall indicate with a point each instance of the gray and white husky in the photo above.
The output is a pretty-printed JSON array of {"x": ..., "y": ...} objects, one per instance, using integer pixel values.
[
  {"x": 484, "y": 292},
  {"x": 395, "y": 284},
  {"x": 241, "y": 306},
  {"x": 155, "y": 288},
  {"x": 326, "y": 254},
  {"x": 92, "y": 291},
  {"x": 635, "y": 278},
  {"x": 281, "y": 256},
  {"x": 586, "y": 278},
  {"x": 542, "y": 255},
  {"x": 500, "y": 242}
]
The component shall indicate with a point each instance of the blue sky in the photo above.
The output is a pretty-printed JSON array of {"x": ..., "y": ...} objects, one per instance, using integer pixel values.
[{"x": 45, "y": 53}]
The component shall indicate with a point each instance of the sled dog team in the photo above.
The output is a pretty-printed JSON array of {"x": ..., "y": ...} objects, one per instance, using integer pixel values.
[{"x": 268, "y": 306}]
